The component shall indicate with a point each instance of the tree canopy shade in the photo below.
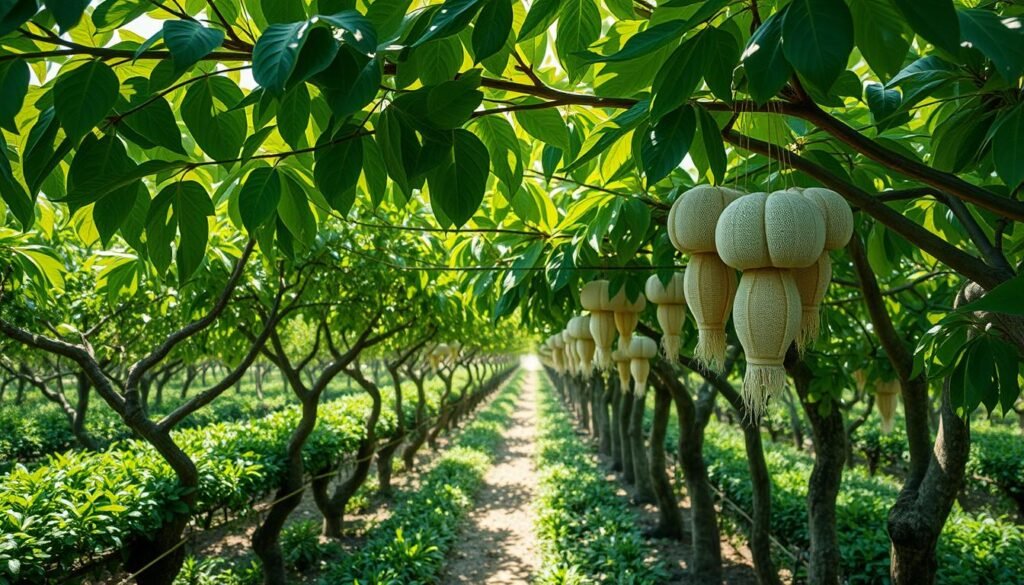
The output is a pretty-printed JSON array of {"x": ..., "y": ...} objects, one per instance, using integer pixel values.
[{"x": 497, "y": 154}]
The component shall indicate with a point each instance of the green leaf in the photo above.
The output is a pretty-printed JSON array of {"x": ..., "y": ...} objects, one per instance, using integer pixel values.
[
  {"x": 492, "y": 28},
  {"x": 275, "y": 53},
  {"x": 83, "y": 96},
  {"x": 645, "y": 41},
  {"x": 97, "y": 163},
  {"x": 356, "y": 30},
  {"x": 542, "y": 13},
  {"x": 282, "y": 11},
  {"x": 451, "y": 103},
  {"x": 349, "y": 83},
  {"x": 881, "y": 34},
  {"x": 315, "y": 56},
  {"x": 181, "y": 207},
  {"x": 41, "y": 158},
  {"x": 437, "y": 61},
  {"x": 714, "y": 145},
  {"x": 259, "y": 197},
  {"x": 817, "y": 39},
  {"x": 766, "y": 67},
  {"x": 337, "y": 170},
  {"x": 721, "y": 55},
  {"x": 503, "y": 149},
  {"x": 1008, "y": 147},
  {"x": 14, "y": 79},
  {"x": 1000, "y": 39},
  {"x": 188, "y": 42},
  {"x": 934, "y": 20},
  {"x": 66, "y": 13},
  {"x": 112, "y": 14},
  {"x": 453, "y": 16},
  {"x": 459, "y": 188},
  {"x": 579, "y": 26},
  {"x": 678, "y": 77},
  {"x": 398, "y": 146},
  {"x": 209, "y": 114},
  {"x": 667, "y": 142},
  {"x": 112, "y": 211},
  {"x": 1005, "y": 298},
  {"x": 156, "y": 123},
  {"x": 884, "y": 105},
  {"x": 16, "y": 13},
  {"x": 18, "y": 201},
  {"x": 545, "y": 125},
  {"x": 293, "y": 116}
]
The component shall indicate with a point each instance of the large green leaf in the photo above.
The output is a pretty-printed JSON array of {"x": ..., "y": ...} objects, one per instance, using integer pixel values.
[
  {"x": 817, "y": 39},
  {"x": 764, "y": 64},
  {"x": 13, "y": 87},
  {"x": 545, "y": 125},
  {"x": 542, "y": 13},
  {"x": 721, "y": 55},
  {"x": 678, "y": 77},
  {"x": 645, "y": 41},
  {"x": 459, "y": 188},
  {"x": 337, "y": 169},
  {"x": 491, "y": 29},
  {"x": 356, "y": 30},
  {"x": 350, "y": 82},
  {"x": 16, "y": 13},
  {"x": 209, "y": 114},
  {"x": 1008, "y": 147},
  {"x": 259, "y": 197},
  {"x": 181, "y": 207},
  {"x": 155, "y": 122},
  {"x": 714, "y": 145},
  {"x": 97, "y": 164},
  {"x": 503, "y": 148},
  {"x": 293, "y": 116},
  {"x": 453, "y": 16},
  {"x": 667, "y": 142},
  {"x": 275, "y": 53},
  {"x": 113, "y": 14},
  {"x": 579, "y": 26},
  {"x": 18, "y": 201},
  {"x": 67, "y": 13},
  {"x": 83, "y": 96},
  {"x": 934, "y": 20},
  {"x": 1000, "y": 39},
  {"x": 882, "y": 35},
  {"x": 188, "y": 41}
]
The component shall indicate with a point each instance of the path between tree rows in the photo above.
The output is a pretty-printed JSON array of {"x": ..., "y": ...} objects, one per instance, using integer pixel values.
[{"x": 498, "y": 546}]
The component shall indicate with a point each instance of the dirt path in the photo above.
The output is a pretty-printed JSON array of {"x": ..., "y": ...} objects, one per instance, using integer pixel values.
[{"x": 497, "y": 544}]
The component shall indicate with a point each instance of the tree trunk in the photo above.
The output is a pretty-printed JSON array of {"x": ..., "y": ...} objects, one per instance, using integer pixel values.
[
  {"x": 584, "y": 404},
  {"x": 614, "y": 423},
  {"x": 419, "y": 434},
  {"x": 82, "y": 435},
  {"x": 707, "y": 546},
  {"x": 760, "y": 481},
  {"x": 670, "y": 519},
  {"x": 266, "y": 539},
  {"x": 602, "y": 391},
  {"x": 625, "y": 416},
  {"x": 190, "y": 375},
  {"x": 829, "y": 435},
  {"x": 795, "y": 424},
  {"x": 641, "y": 467}
]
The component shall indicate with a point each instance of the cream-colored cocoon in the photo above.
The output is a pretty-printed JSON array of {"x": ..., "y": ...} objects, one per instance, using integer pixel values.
[
  {"x": 641, "y": 350},
  {"x": 781, "y": 230},
  {"x": 627, "y": 314},
  {"x": 671, "y": 301},
  {"x": 594, "y": 298},
  {"x": 693, "y": 216},
  {"x": 767, "y": 319},
  {"x": 579, "y": 328},
  {"x": 886, "y": 397},
  {"x": 709, "y": 287},
  {"x": 812, "y": 282}
]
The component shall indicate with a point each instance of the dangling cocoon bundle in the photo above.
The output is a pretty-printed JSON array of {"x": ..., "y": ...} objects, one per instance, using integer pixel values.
[
  {"x": 709, "y": 285},
  {"x": 886, "y": 396},
  {"x": 813, "y": 281},
  {"x": 641, "y": 350},
  {"x": 621, "y": 360},
  {"x": 557, "y": 352},
  {"x": 765, "y": 236},
  {"x": 671, "y": 301},
  {"x": 594, "y": 298},
  {"x": 860, "y": 378},
  {"x": 627, "y": 314},
  {"x": 579, "y": 328},
  {"x": 571, "y": 361}
]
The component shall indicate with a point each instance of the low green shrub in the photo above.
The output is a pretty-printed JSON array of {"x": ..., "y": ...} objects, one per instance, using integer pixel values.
[{"x": 587, "y": 533}]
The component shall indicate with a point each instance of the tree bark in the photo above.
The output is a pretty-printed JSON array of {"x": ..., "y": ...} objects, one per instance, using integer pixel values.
[
  {"x": 419, "y": 434},
  {"x": 670, "y": 518},
  {"x": 625, "y": 416},
  {"x": 641, "y": 466},
  {"x": 615, "y": 398},
  {"x": 829, "y": 434}
]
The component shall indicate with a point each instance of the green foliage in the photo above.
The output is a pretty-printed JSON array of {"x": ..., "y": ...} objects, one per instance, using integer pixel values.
[{"x": 587, "y": 533}]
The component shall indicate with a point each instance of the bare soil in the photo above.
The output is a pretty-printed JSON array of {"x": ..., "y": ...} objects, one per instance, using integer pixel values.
[{"x": 497, "y": 541}]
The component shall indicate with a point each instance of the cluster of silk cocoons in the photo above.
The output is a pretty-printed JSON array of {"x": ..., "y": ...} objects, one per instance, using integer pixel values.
[
  {"x": 640, "y": 351},
  {"x": 780, "y": 242},
  {"x": 556, "y": 347},
  {"x": 887, "y": 396},
  {"x": 708, "y": 284},
  {"x": 609, "y": 315},
  {"x": 583, "y": 342},
  {"x": 670, "y": 299}
]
